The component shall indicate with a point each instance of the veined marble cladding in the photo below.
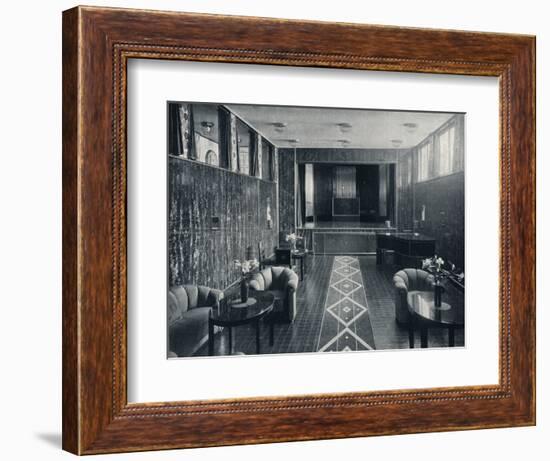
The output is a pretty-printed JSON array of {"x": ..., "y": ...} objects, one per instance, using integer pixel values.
[
  {"x": 201, "y": 250},
  {"x": 355, "y": 156},
  {"x": 443, "y": 199},
  {"x": 287, "y": 205}
]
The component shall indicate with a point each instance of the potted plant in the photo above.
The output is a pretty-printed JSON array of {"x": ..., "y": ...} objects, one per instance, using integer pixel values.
[{"x": 292, "y": 239}]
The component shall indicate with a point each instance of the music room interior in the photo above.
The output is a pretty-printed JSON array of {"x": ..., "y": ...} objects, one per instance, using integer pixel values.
[{"x": 305, "y": 229}]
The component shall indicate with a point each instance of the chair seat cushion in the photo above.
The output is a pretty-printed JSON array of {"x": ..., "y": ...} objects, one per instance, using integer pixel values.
[
  {"x": 278, "y": 294},
  {"x": 187, "y": 334}
]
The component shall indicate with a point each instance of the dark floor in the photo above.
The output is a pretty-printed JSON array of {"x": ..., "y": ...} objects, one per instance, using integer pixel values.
[{"x": 322, "y": 322}]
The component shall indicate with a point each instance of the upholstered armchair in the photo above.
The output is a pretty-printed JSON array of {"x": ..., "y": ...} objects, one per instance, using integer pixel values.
[
  {"x": 188, "y": 311},
  {"x": 406, "y": 282},
  {"x": 283, "y": 283}
]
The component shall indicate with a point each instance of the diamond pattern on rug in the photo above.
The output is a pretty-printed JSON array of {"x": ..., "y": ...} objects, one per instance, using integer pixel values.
[
  {"x": 347, "y": 270},
  {"x": 346, "y": 311},
  {"x": 346, "y": 286},
  {"x": 346, "y": 323}
]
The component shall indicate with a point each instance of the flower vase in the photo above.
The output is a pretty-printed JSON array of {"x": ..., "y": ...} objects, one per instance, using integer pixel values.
[
  {"x": 244, "y": 290},
  {"x": 293, "y": 246},
  {"x": 438, "y": 291}
]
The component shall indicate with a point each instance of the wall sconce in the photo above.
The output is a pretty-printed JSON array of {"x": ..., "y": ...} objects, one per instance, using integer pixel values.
[{"x": 207, "y": 126}]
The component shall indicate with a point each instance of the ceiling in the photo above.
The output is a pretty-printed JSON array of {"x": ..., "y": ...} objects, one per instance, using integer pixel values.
[{"x": 318, "y": 127}]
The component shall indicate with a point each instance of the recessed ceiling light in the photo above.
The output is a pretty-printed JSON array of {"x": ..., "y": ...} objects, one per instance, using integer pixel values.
[
  {"x": 410, "y": 126},
  {"x": 279, "y": 126},
  {"x": 293, "y": 141},
  {"x": 343, "y": 142},
  {"x": 396, "y": 142},
  {"x": 344, "y": 126}
]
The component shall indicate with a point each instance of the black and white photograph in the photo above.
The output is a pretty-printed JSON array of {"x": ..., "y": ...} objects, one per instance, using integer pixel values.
[
  {"x": 312, "y": 229},
  {"x": 275, "y": 230}
]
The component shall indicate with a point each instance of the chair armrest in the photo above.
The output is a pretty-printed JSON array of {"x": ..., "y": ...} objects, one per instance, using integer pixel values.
[
  {"x": 254, "y": 284},
  {"x": 214, "y": 297},
  {"x": 401, "y": 293},
  {"x": 291, "y": 308},
  {"x": 292, "y": 284},
  {"x": 400, "y": 286}
]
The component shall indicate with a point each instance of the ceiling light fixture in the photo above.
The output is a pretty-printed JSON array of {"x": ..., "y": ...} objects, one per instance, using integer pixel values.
[
  {"x": 343, "y": 142},
  {"x": 345, "y": 126},
  {"x": 411, "y": 127},
  {"x": 396, "y": 142},
  {"x": 293, "y": 141},
  {"x": 279, "y": 126}
]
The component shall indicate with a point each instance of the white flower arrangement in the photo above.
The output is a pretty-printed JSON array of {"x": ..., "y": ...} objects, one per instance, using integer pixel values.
[
  {"x": 246, "y": 266},
  {"x": 292, "y": 238},
  {"x": 436, "y": 266}
]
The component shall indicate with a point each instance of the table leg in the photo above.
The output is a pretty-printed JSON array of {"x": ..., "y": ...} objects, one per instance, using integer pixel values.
[
  {"x": 451, "y": 336},
  {"x": 230, "y": 332},
  {"x": 210, "y": 338},
  {"x": 424, "y": 337},
  {"x": 258, "y": 336},
  {"x": 411, "y": 335}
]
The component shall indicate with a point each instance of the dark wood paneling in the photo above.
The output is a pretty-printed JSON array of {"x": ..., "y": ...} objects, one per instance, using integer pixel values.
[
  {"x": 310, "y": 155},
  {"x": 322, "y": 184},
  {"x": 201, "y": 248},
  {"x": 443, "y": 198},
  {"x": 367, "y": 186},
  {"x": 405, "y": 197},
  {"x": 444, "y": 201},
  {"x": 345, "y": 181},
  {"x": 287, "y": 204}
]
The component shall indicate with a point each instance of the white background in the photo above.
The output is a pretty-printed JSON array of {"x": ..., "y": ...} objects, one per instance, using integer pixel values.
[
  {"x": 152, "y": 378},
  {"x": 30, "y": 248}
]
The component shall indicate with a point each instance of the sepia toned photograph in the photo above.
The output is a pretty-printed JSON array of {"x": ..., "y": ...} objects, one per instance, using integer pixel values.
[{"x": 311, "y": 229}]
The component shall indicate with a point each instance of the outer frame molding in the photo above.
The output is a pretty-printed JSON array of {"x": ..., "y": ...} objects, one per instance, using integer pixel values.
[{"x": 97, "y": 42}]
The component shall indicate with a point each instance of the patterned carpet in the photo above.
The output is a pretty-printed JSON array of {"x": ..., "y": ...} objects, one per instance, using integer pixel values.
[
  {"x": 335, "y": 317},
  {"x": 346, "y": 323}
]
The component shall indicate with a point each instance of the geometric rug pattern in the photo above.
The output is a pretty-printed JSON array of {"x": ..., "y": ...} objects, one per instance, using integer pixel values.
[{"x": 346, "y": 322}]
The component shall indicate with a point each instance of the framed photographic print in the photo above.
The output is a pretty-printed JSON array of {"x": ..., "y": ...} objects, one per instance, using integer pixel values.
[{"x": 281, "y": 230}]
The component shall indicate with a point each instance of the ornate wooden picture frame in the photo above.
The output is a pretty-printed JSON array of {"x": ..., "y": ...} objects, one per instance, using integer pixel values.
[{"x": 97, "y": 44}]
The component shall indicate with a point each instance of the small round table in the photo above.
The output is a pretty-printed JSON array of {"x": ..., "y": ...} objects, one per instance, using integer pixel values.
[
  {"x": 300, "y": 255},
  {"x": 234, "y": 313},
  {"x": 425, "y": 314}
]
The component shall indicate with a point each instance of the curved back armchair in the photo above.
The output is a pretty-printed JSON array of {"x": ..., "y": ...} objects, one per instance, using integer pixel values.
[
  {"x": 188, "y": 310},
  {"x": 407, "y": 281},
  {"x": 283, "y": 283}
]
